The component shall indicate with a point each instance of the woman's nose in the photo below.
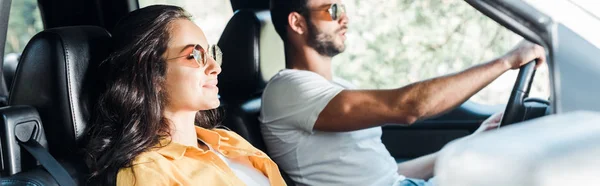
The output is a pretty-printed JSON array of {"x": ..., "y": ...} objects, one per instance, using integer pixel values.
[{"x": 213, "y": 67}]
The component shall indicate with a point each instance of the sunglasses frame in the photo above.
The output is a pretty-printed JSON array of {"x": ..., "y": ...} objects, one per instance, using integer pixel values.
[
  {"x": 339, "y": 10},
  {"x": 199, "y": 53},
  {"x": 335, "y": 10}
]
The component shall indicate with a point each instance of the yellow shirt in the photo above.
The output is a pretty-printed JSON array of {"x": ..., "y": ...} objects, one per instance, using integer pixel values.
[{"x": 177, "y": 164}]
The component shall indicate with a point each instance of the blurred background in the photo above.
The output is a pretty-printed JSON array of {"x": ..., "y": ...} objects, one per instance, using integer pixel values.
[{"x": 390, "y": 43}]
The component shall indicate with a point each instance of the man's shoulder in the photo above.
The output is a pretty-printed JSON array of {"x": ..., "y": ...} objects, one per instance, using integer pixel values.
[
  {"x": 287, "y": 75},
  {"x": 291, "y": 79}
]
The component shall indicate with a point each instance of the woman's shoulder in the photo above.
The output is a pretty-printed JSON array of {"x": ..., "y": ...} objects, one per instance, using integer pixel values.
[
  {"x": 150, "y": 159},
  {"x": 145, "y": 169},
  {"x": 149, "y": 165}
]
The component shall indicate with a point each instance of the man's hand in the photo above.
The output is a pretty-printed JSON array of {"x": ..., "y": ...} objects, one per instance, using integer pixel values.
[
  {"x": 523, "y": 53},
  {"x": 491, "y": 123}
]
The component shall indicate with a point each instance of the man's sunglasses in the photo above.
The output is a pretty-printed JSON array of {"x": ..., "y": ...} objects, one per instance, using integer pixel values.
[
  {"x": 336, "y": 10},
  {"x": 201, "y": 55}
]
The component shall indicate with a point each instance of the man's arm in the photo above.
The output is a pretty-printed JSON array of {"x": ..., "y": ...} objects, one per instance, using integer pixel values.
[{"x": 359, "y": 109}]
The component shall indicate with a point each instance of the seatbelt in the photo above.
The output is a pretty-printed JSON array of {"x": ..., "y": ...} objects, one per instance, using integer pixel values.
[{"x": 40, "y": 153}]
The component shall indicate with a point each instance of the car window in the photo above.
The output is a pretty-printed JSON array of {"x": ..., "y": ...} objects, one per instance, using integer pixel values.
[
  {"x": 211, "y": 15},
  {"x": 581, "y": 16},
  {"x": 394, "y": 43},
  {"x": 590, "y": 7},
  {"x": 24, "y": 22}
]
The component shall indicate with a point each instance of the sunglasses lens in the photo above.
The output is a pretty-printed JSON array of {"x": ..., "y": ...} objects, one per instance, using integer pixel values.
[
  {"x": 335, "y": 11},
  {"x": 199, "y": 55},
  {"x": 217, "y": 54}
]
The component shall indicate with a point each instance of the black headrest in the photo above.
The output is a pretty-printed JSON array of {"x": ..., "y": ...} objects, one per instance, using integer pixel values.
[
  {"x": 57, "y": 75},
  {"x": 10, "y": 67},
  {"x": 252, "y": 53}
]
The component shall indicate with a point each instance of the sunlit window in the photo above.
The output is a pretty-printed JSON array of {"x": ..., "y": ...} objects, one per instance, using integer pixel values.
[
  {"x": 24, "y": 21},
  {"x": 211, "y": 15},
  {"x": 394, "y": 43}
]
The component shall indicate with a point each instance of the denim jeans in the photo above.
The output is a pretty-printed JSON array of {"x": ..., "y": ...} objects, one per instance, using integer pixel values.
[{"x": 416, "y": 182}]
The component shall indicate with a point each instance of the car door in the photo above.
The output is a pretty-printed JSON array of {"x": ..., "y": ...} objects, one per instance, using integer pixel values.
[{"x": 428, "y": 136}]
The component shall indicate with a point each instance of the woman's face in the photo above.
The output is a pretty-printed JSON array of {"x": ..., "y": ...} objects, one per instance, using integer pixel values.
[{"x": 190, "y": 86}]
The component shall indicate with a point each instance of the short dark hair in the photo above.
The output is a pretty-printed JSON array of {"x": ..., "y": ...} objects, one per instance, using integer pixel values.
[{"x": 280, "y": 9}]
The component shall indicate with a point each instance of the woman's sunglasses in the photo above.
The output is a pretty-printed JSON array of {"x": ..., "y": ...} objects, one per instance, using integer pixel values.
[
  {"x": 201, "y": 55},
  {"x": 335, "y": 11}
]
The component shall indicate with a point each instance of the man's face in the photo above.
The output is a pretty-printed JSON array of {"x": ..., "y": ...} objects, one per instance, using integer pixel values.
[{"x": 326, "y": 35}]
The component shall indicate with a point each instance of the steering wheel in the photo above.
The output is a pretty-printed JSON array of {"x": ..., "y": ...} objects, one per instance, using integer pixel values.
[{"x": 515, "y": 109}]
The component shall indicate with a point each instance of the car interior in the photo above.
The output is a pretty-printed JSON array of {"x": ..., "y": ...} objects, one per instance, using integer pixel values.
[{"x": 53, "y": 84}]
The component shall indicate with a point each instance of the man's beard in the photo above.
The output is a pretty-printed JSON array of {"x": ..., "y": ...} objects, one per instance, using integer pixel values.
[{"x": 323, "y": 43}]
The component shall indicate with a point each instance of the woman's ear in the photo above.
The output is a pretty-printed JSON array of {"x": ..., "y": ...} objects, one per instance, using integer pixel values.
[
  {"x": 297, "y": 23},
  {"x": 160, "y": 83}
]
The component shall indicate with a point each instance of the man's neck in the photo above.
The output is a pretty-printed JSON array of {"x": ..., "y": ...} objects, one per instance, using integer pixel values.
[{"x": 306, "y": 58}]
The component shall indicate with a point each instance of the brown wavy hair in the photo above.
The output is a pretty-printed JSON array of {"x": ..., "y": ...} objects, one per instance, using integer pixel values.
[{"x": 128, "y": 116}]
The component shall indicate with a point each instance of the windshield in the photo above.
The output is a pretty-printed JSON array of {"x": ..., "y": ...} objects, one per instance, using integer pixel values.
[
  {"x": 581, "y": 16},
  {"x": 591, "y": 7}
]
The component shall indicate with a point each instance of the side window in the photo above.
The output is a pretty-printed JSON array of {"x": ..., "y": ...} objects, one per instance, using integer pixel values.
[
  {"x": 211, "y": 15},
  {"x": 24, "y": 22},
  {"x": 394, "y": 43}
]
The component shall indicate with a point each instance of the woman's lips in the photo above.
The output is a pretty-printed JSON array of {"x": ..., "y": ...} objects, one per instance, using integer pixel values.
[{"x": 211, "y": 83}]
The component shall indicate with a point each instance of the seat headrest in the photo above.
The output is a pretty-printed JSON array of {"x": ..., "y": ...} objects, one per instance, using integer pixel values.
[
  {"x": 252, "y": 54},
  {"x": 57, "y": 74},
  {"x": 10, "y": 67}
]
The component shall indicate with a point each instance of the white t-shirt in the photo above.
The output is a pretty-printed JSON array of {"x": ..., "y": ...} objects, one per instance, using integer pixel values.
[{"x": 291, "y": 104}]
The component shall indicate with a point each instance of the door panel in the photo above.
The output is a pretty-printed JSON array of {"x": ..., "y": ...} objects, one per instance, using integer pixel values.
[
  {"x": 576, "y": 67},
  {"x": 407, "y": 144},
  {"x": 428, "y": 136}
]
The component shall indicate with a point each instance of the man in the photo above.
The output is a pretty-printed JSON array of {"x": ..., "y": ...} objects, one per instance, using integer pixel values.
[{"x": 324, "y": 133}]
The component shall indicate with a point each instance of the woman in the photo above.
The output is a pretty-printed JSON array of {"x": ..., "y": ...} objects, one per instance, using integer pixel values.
[{"x": 155, "y": 121}]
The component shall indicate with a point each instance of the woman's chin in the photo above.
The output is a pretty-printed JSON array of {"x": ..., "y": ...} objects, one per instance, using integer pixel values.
[{"x": 213, "y": 104}]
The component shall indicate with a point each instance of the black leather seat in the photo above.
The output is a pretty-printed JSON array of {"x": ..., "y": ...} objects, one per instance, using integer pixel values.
[
  {"x": 252, "y": 54},
  {"x": 9, "y": 68},
  {"x": 57, "y": 75}
]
